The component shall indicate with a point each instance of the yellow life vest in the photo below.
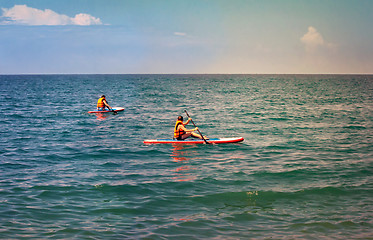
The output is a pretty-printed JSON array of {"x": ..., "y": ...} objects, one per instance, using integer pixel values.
[
  {"x": 178, "y": 132},
  {"x": 100, "y": 102}
]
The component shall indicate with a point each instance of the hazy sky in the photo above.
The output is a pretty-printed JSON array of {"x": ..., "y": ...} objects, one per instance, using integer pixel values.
[{"x": 186, "y": 36}]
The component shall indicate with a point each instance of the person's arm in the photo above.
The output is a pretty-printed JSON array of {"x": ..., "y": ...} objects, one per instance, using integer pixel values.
[
  {"x": 189, "y": 119},
  {"x": 106, "y": 104},
  {"x": 188, "y": 130}
]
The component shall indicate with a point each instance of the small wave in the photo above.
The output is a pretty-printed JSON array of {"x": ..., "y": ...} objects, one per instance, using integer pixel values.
[
  {"x": 14, "y": 166},
  {"x": 111, "y": 164},
  {"x": 280, "y": 119},
  {"x": 355, "y": 127}
]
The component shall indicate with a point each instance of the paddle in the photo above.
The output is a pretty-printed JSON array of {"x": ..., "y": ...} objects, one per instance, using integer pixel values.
[
  {"x": 196, "y": 126},
  {"x": 114, "y": 112},
  {"x": 107, "y": 105}
]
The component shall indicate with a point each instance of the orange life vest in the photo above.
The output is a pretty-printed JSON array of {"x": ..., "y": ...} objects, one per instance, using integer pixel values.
[
  {"x": 178, "y": 132},
  {"x": 100, "y": 102}
]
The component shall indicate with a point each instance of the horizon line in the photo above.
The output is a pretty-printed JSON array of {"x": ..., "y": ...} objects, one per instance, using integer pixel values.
[{"x": 3, "y": 74}]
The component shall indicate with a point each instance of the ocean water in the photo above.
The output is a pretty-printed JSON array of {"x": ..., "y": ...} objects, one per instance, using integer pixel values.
[{"x": 304, "y": 170}]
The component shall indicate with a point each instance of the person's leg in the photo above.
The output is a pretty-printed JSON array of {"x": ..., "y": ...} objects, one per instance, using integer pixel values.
[
  {"x": 186, "y": 135},
  {"x": 196, "y": 135}
]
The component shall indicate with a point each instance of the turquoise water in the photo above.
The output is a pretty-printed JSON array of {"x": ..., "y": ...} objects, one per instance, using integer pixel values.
[{"x": 304, "y": 170}]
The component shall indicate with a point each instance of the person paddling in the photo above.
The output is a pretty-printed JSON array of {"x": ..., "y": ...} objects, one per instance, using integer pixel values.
[
  {"x": 181, "y": 133},
  {"x": 102, "y": 103}
]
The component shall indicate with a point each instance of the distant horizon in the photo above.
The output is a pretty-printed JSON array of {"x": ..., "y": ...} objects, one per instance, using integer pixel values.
[{"x": 2, "y": 74}]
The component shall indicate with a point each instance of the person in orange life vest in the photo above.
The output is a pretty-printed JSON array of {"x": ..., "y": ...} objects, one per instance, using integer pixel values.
[
  {"x": 181, "y": 133},
  {"x": 102, "y": 103}
]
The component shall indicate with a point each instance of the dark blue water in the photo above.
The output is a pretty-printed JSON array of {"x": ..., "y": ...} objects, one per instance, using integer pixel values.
[{"x": 304, "y": 170}]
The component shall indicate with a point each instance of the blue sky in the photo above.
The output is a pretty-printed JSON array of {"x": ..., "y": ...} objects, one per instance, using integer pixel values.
[{"x": 186, "y": 36}]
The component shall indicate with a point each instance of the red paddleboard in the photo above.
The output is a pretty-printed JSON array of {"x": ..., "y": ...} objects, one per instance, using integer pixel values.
[
  {"x": 115, "y": 109},
  {"x": 195, "y": 141}
]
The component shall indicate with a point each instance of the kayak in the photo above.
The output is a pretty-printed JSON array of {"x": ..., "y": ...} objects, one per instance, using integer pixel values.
[
  {"x": 115, "y": 109},
  {"x": 195, "y": 141}
]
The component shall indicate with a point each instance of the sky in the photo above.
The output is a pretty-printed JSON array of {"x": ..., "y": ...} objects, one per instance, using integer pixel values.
[{"x": 186, "y": 37}]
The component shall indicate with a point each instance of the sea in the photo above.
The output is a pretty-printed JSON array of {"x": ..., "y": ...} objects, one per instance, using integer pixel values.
[{"x": 304, "y": 170}]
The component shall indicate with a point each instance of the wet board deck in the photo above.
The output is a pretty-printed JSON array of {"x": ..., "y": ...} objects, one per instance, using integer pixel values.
[
  {"x": 116, "y": 109},
  {"x": 195, "y": 141}
]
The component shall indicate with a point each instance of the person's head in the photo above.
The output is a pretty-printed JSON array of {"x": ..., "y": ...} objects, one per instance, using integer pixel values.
[
  {"x": 103, "y": 96},
  {"x": 180, "y": 118}
]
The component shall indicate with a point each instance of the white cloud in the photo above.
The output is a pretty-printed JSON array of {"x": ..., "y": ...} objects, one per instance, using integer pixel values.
[
  {"x": 180, "y": 34},
  {"x": 22, "y": 14},
  {"x": 313, "y": 40},
  {"x": 85, "y": 19}
]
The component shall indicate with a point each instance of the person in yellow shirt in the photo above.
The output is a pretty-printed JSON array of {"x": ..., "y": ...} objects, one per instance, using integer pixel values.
[
  {"x": 102, "y": 103},
  {"x": 181, "y": 133}
]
